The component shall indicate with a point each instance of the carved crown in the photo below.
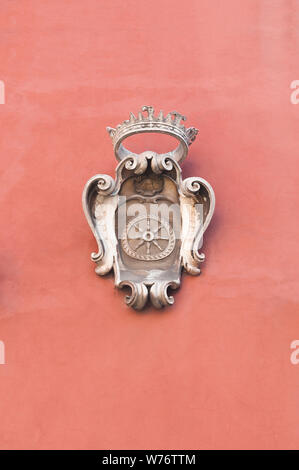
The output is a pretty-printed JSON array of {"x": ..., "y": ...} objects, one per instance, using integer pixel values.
[{"x": 171, "y": 124}]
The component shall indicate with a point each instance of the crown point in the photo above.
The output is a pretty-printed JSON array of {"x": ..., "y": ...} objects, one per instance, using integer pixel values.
[
  {"x": 132, "y": 118},
  {"x": 150, "y": 111},
  {"x": 178, "y": 118},
  {"x": 111, "y": 131},
  {"x": 191, "y": 133},
  {"x": 160, "y": 116},
  {"x": 168, "y": 118}
]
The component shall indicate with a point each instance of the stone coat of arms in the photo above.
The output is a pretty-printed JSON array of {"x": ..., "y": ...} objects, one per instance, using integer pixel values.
[{"x": 149, "y": 222}]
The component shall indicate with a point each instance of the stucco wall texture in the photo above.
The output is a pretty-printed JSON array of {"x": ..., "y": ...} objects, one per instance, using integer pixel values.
[{"x": 82, "y": 370}]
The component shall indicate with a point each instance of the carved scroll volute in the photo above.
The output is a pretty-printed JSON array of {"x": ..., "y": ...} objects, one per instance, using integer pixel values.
[
  {"x": 148, "y": 222},
  {"x": 197, "y": 208},
  {"x": 99, "y": 207}
]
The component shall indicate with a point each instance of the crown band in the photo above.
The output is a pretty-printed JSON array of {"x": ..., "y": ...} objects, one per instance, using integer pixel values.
[{"x": 171, "y": 125}]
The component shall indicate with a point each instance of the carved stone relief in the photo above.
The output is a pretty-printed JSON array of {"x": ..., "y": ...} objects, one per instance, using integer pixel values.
[{"x": 148, "y": 222}]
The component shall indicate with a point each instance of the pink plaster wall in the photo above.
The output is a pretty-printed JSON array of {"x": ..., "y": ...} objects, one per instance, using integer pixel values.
[{"x": 82, "y": 369}]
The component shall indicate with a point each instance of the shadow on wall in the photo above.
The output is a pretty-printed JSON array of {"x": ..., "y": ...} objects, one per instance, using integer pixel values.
[
  {"x": 2, "y": 353},
  {"x": 2, "y": 92}
]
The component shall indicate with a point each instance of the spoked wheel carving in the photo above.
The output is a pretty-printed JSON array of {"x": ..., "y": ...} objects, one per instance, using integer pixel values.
[{"x": 148, "y": 238}]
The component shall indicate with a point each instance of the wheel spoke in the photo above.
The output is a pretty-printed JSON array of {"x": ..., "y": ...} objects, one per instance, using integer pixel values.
[
  {"x": 138, "y": 228},
  {"x": 157, "y": 229},
  {"x": 135, "y": 237},
  {"x": 139, "y": 244},
  {"x": 157, "y": 245}
]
